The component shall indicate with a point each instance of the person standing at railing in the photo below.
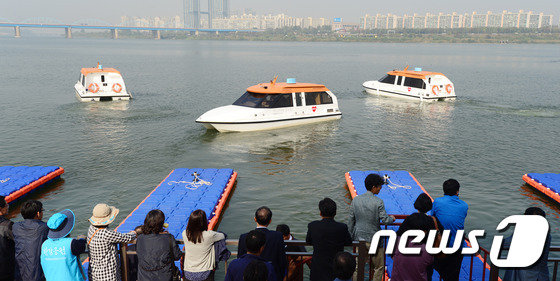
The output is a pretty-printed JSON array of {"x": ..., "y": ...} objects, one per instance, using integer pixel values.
[
  {"x": 367, "y": 212},
  {"x": 256, "y": 271},
  {"x": 7, "y": 244},
  {"x": 423, "y": 204},
  {"x": 102, "y": 244},
  {"x": 200, "y": 255},
  {"x": 327, "y": 237},
  {"x": 295, "y": 266},
  {"x": 157, "y": 250},
  {"x": 537, "y": 271},
  {"x": 416, "y": 266},
  {"x": 255, "y": 243},
  {"x": 344, "y": 266},
  {"x": 274, "y": 249},
  {"x": 451, "y": 212},
  {"x": 29, "y": 235},
  {"x": 60, "y": 255}
]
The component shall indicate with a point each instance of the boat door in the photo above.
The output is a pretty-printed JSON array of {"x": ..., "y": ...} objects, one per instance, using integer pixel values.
[
  {"x": 399, "y": 87},
  {"x": 299, "y": 105}
]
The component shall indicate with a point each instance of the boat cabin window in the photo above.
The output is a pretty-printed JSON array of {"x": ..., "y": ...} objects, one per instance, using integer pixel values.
[
  {"x": 316, "y": 98},
  {"x": 264, "y": 101},
  {"x": 414, "y": 83},
  {"x": 399, "y": 80},
  {"x": 280, "y": 100},
  {"x": 102, "y": 78},
  {"x": 298, "y": 99},
  {"x": 83, "y": 80},
  {"x": 389, "y": 79}
]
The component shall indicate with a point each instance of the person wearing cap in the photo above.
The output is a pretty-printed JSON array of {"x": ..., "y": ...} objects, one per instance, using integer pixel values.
[
  {"x": 102, "y": 243},
  {"x": 60, "y": 255}
]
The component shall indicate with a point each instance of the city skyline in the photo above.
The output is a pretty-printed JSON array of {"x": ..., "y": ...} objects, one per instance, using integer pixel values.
[{"x": 350, "y": 11}]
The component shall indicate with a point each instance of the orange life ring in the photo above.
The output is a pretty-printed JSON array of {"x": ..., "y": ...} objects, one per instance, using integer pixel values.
[
  {"x": 93, "y": 88},
  {"x": 435, "y": 89},
  {"x": 117, "y": 88},
  {"x": 448, "y": 88}
]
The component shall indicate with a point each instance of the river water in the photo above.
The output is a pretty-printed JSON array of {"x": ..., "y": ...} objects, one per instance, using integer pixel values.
[{"x": 505, "y": 122}]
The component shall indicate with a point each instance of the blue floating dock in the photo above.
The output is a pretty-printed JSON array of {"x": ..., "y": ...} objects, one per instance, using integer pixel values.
[
  {"x": 177, "y": 196},
  {"x": 16, "y": 181},
  {"x": 547, "y": 183},
  {"x": 399, "y": 196}
]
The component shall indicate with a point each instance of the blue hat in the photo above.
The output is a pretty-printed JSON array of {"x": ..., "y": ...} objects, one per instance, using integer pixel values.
[{"x": 61, "y": 224}]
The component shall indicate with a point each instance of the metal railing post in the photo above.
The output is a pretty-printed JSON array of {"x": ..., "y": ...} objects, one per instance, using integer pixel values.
[
  {"x": 124, "y": 262},
  {"x": 362, "y": 256},
  {"x": 494, "y": 270}
]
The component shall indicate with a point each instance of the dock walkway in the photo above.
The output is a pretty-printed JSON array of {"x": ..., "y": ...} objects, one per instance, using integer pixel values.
[{"x": 17, "y": 181}]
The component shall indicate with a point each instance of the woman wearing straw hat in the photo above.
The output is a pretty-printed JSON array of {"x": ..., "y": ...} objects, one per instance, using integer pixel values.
[
  {"x": 60, "y": 255},
  {"x": 102, "y": 244}
]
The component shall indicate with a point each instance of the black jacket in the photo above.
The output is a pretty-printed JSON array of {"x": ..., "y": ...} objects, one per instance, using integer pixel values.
[
  {"x": 328, "y": 237},
  {"x": 274, "y": 251},
  {"x": 157, "y": 254},
  {"x": 7, "y": 250},
  {"x": 29, "y": 235}
]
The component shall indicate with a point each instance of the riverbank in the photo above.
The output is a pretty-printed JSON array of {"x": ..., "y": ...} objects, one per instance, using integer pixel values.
[{"x": 294, "y": 36}]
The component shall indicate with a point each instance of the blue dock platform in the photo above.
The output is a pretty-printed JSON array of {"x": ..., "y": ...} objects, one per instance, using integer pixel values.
[
  {"x": 399, "y": 196},
  {"x": 17, "y": 181},
  {"x": 180, "y": 193},
  {"x": 547, "y": 183}
]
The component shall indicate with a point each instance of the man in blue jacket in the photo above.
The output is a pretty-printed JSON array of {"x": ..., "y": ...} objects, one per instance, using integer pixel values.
[
  {"x": 274, "y": 248},
  {"x": 255, "y": 243},
  {"x": 451, "y": 212},
  {"x": 29, "y": 235}
]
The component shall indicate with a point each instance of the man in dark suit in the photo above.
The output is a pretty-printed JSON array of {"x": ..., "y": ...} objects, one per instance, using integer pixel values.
[
  {"x": 274, "y": 248},
  {"x": 255, "y": 241},
  {"x": 328, "y": 237}
]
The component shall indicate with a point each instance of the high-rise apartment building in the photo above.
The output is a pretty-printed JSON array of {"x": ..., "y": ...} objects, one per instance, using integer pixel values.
[
  {"x": 504, "y": 19},
  {"x": 217, "y": 9}
]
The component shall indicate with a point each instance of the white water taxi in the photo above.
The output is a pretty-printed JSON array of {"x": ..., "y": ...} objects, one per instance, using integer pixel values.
[
  {"x": 413, "y": 84},
  {"x": 101, "y": 84},
  {"x": 274, "y": 105}
]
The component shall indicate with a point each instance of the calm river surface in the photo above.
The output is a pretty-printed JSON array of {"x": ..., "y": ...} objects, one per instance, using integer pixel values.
[{"x": 506, "y": 122}]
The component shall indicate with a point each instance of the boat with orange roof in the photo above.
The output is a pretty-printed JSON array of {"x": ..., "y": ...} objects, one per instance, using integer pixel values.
[
  {"x": 101, "y": 84},
  {"x": 413, "y": 84},
  {"x": 274, "y": 105}
]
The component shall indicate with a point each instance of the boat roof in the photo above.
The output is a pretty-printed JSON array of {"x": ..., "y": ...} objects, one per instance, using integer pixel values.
[
  {"x": 413, "y": 74},
  {"x": 285, "y": 88},
  {"x": 90, "y": 70}
]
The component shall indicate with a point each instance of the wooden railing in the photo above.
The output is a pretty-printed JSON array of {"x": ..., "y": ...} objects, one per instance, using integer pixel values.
[{"x": 360, "y": 251}]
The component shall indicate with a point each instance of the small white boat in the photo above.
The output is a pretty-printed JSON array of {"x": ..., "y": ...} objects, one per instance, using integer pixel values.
[
  {"x": 101, "y": 84},
  {"x": 413, "y": 84},
  {"x": 274, "y": 105}
]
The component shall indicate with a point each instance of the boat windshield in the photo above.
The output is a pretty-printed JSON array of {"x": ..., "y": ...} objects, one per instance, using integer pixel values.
[
  {"x": 264, "y": 100},
  {"x": 389, "y": 79}
]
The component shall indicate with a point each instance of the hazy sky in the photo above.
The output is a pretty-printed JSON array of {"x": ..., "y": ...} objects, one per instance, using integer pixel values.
[{"x": 350, "y": 10}]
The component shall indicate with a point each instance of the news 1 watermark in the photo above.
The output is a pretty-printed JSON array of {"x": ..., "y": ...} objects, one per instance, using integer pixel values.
[{"x": 525, "y": 248}]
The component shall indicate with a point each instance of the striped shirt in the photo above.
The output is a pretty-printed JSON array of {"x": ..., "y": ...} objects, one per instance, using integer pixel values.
[{"x": 103, "y": 259}]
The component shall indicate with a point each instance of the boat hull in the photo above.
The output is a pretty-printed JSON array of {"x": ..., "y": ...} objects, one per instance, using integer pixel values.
[
  {"x": 370, "y": 88},
  {"x": 83, "y": 96},
  {"x": 267, "y": 125}
]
